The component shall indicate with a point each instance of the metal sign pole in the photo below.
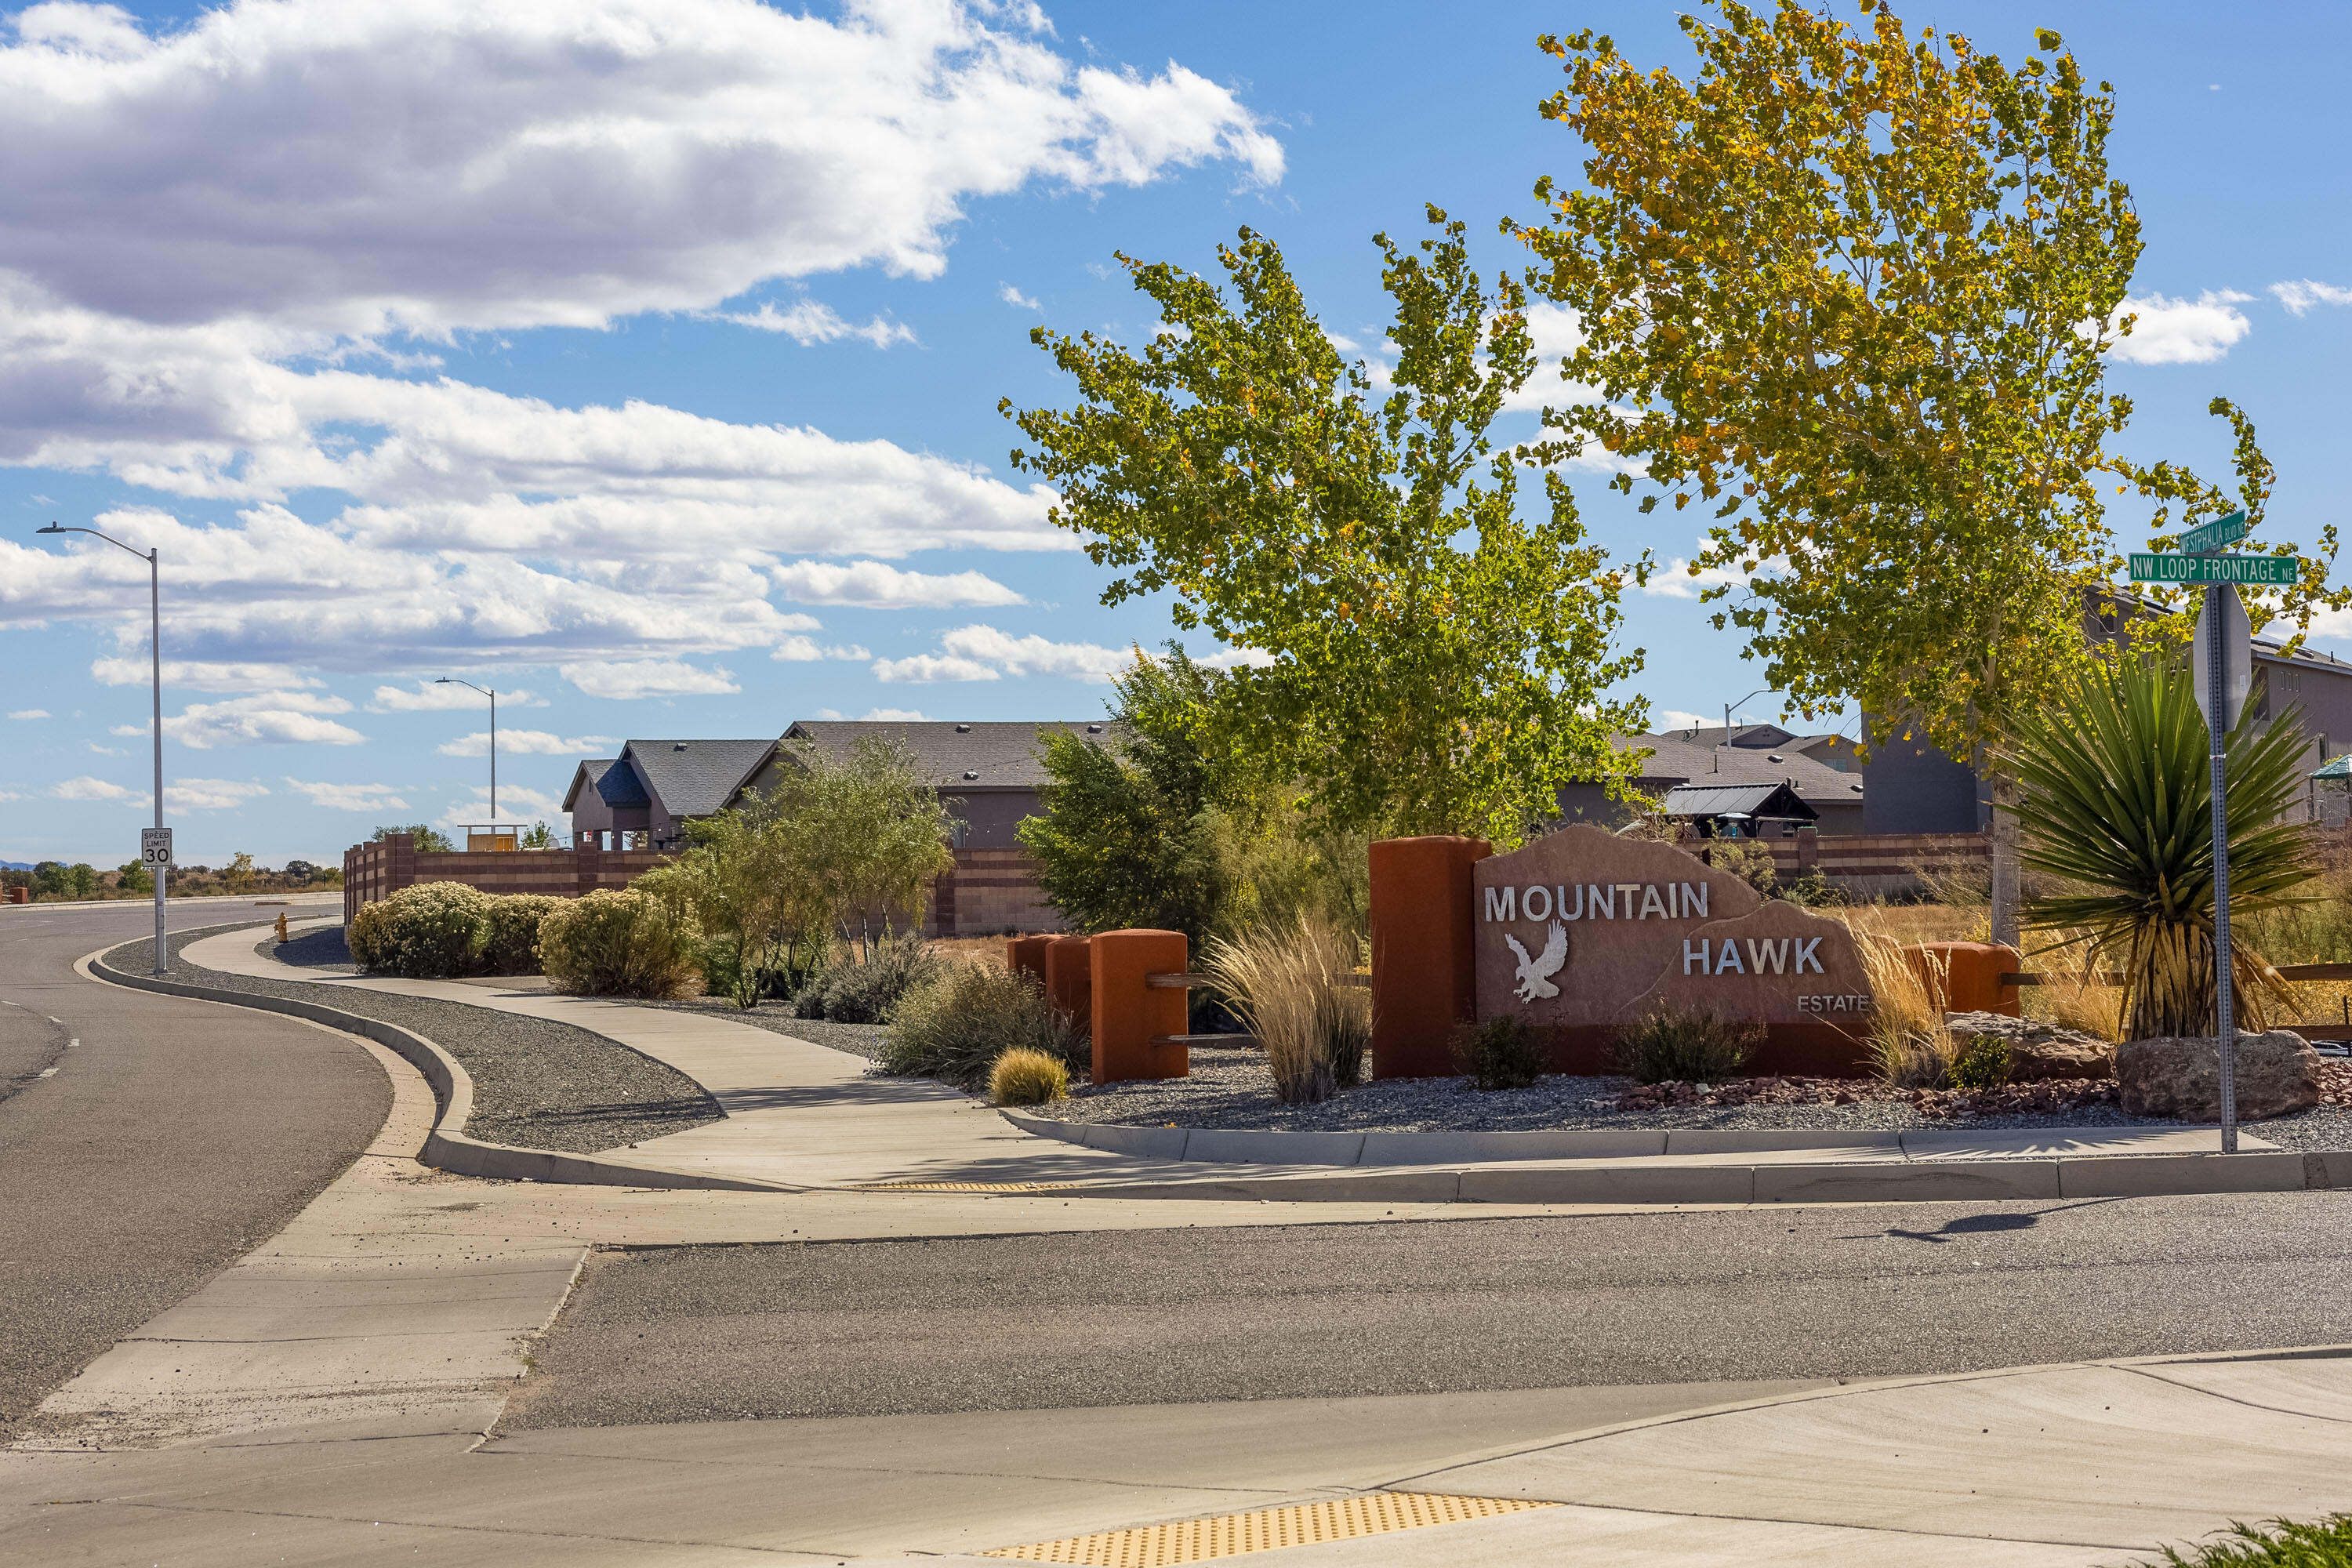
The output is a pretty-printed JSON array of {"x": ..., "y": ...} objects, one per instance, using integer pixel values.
[
  {"x": 2217, "y": 675},
  {"x": 155, "y": 730}
]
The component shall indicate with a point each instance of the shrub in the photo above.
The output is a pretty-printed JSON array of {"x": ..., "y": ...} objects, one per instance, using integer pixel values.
[
  {"x": 510, "y": 944},
  {"x": 956, "y": 1023},
  {"x": 1909, "y": 1037},
  {"x": 849, "y": 991},
  {"x": 1502, "y": 1052},
  {"x": 1983, "y": 1065},
  {"x": 432, "y": 931},
  {"x": 1024, "y": 1077},
  {"x": 617, "y": 944},
  {"x": 1288, "y": 988},
  {"x": 2281, "y": 1543},
  {"x": 1685, "y": 1046}
]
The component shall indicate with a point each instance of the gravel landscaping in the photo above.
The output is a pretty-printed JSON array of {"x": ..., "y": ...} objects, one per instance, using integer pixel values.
[
  {"x": 536, "y": 1085},
  {"x": 1231, "y": 1088}
]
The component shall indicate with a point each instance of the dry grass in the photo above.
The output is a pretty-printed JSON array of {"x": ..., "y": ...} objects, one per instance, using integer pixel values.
[
  {"x": 1913, "y": 1044},
  {"x": 1916, "y": 923},
  {"x": 1285, "y": 986}
]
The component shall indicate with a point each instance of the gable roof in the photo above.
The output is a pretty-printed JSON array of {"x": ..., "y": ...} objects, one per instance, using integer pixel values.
[
  {"x": 1768, "y": 800},
  {"x": 587, "y": 775},
  {"x": 1676, "y": 761},
  {"x": 690, "y": 778},
  {"x": 1005, "y": 754}
]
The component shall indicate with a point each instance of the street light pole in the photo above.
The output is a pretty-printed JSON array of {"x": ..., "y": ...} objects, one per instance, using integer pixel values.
[
  {"x": 1759, "y": 691},
  {"x": 449, "y": 680},
  {"x": 159, "y": 874}
]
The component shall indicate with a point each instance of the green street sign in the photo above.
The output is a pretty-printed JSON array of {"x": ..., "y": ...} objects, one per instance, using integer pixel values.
[
  {"x": 2215, "y": 568},
  {"x": 2213, "y": 535}
]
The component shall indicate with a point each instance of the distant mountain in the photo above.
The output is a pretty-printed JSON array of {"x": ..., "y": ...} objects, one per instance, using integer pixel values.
[{"x": 15, "y": 865}]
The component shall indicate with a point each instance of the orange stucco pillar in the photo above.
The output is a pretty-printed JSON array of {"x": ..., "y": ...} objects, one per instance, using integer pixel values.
[
  {"x": 1128, "y": 1013},
  {"x": 1069, "y": 977},
  {"x": 1026, "y": 955},
  {"x": 1424, "y": 977},
  {"x": 1972, "y": 977}
]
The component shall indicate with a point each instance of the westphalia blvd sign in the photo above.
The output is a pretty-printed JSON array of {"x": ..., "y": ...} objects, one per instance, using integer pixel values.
[{"x": 2214, "y": 568}]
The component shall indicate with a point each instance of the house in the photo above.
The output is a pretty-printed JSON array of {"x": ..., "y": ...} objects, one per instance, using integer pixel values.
[
  {"x": 1757, "y": 759},
  {"x": 1914, "y": 788},
  {"x": 990, "y": 775},
  {"x": 643, "y": 798}
]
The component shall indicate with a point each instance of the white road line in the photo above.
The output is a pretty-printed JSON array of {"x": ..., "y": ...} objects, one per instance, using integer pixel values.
[
  {"x": 48, "y": 1072},
  {"x": 61, "y": 1023},
  {"x": 71, "y": 1044}
]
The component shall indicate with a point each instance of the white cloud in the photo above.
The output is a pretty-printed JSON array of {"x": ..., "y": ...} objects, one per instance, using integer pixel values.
[
  {"x": 202, "y": 676},
  {"x": 431, "y": 696},
  {"x": 808, "y": 322},
  {"x": 1677, "y": 581},
  {"x": 624, "y": 678},
  {"x": 347, "y": 165},
  {"x": 106, "y": 750},
  {"x": 474, "y": 810},
  {"x": 804, "y": 650},
  {"x": 537, "y": 743},
  {"x": 30, "y": 713},
  {"x": 893, "y": 716},
  {"x": 1557, "y": 331},
  {"x": 985, "y": 653},
  {"x": 1676, "y": 719},
  {"x": 210, "y": 794},
  {"x": 351, "y": 796},
  {"x": 88, "y": 788},
  {"x": 2182, "y": 331},
  {"x": 200, "y": 330},
  {"x": 1236, "y": 658},
  {"x": 2299, "y": 297},
  {"x": 1015, "y": 298},
  {"x": 266, "y": 718},
  {"x": 10, "y": 794},
  {"x": 872, "y": 585}
]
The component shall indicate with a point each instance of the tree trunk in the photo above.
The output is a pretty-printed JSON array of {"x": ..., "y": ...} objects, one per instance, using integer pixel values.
[{"x": 2006, "y": 844}]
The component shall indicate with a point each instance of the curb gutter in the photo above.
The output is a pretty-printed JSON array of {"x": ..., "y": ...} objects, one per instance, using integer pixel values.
[{"x": 453, "y": 1097}]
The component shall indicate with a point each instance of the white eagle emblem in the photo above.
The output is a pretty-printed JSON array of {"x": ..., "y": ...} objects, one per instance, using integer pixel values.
[{"x": 1535, "y": 973}]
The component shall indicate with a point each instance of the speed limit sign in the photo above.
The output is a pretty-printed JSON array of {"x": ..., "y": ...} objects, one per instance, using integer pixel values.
[{"x": 155, "y": 847}]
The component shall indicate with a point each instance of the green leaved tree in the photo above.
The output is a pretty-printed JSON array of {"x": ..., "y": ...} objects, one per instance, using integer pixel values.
[
  {"x": 1856, "y": 289},
  {"x": 1422, "y": 658}
]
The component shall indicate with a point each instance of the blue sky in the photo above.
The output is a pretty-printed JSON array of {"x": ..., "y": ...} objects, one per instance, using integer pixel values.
[{"x": 644, "y": 357}]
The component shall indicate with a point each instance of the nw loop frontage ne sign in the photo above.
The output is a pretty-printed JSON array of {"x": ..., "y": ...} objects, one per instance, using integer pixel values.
[{"x": 1584, "y": 932}]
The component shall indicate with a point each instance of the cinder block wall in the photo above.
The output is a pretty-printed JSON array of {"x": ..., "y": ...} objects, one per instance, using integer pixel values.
[{"x": 373, "y": 871}]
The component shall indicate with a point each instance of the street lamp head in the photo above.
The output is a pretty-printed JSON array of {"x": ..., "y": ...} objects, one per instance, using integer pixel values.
[
  {"x": 443, "y": 681},
  {"x": 53, "y": 527}
]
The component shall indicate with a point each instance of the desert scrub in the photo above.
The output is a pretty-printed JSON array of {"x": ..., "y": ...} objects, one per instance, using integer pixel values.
[
  {"x": 1983, "y": 1065},
  {"x": 956, "y": 1025},
  {"x": 850, "y": 991},
  {"x": 619, "y": 944},
  {"x": 510, "y": 932},
  {"x": 430, "y": 931},
  {"x": 1024, "y": 1077},
  {"x": 2326, "y": 1543},
  {"x": 1295, "y": 990},
  {"x": 1684, "y": 1046},
  {"x": 1911, "y": 1044},
  {"x": 1501, "y": 1052}
]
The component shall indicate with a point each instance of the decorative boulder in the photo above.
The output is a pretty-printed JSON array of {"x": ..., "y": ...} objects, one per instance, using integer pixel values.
[
  {"x": 2277, "y": 1073},
  {"x": 2036, "y": 1050}
]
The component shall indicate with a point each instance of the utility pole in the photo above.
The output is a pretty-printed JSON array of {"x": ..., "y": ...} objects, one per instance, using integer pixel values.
[{"x": 450, "y": 681}]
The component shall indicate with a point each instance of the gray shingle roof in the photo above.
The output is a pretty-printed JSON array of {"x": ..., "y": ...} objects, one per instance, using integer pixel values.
[
  {"x": 693, "y": 778},
  {"x": 1005, "y": 754},
  {"x": 586, "y": 777},
  {"x": 1677, "y": 760},
  {"x": 1774, "y": 799}
]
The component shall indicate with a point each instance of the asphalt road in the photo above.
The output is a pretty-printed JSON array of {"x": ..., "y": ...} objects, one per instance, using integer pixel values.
[
  {"x": 171, "y": 1136},
  {"x": 1150, "y": 1317}
]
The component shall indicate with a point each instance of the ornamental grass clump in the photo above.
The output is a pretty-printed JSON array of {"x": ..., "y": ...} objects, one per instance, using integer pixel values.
[
  {"x": 1295, "y": 990},
  {"x": 2117, "y": 803},
  {"x": 1911, "y": 1044},
  {"x": 958, "y": 1022},
  {"x": 619, "y": 944},
  {"x": 430, "y": 931},
  {"x": 1025, "y": 1077},
  {"x": 867, "y": 987},
  {"x": 1685, "y": 1046}
]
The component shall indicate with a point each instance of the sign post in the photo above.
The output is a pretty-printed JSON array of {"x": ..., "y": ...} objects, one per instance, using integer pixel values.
[
  {"x": 155, "y": 854},
  {"x": 2222, "y": 664}
]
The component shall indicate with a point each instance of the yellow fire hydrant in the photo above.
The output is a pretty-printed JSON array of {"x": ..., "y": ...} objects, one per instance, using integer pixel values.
[{"x": 281, "y": 925}]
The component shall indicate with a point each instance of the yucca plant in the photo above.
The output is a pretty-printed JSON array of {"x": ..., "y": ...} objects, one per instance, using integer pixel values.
[{"x": 2117, "y": 801}]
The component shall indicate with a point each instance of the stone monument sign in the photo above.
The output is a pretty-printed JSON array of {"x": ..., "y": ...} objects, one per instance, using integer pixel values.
[{"x": 1583, "y": 933}]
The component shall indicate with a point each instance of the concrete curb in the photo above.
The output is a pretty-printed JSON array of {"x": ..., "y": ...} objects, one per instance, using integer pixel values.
[
  {"x": 1598, "y": 1182},
  {"x": 453, "y": 1096}
]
